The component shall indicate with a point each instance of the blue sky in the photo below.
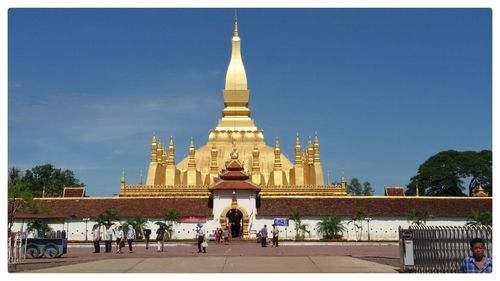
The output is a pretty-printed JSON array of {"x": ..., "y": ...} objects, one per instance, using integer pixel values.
[{"x": 384, "y": 88}]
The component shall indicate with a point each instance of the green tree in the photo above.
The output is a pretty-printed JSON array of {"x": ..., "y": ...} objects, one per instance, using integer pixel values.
[
  {"x": 331, "y": 227},
  {"x": 444, "y": 174},
  {"x": 367, "y": 189},
  {"x": 416, "y": 217},
  {"x": 20, "y": 198},
  {"x": 478, "y": 219},
  {"x": 107, "y": 217},
  {"x": 357, "y": 189},
  {"x": 354, "y": 187},
  {"x": 46, "y": 180},
  {"x": 171, "y": 218},
  {"x": 300, "y": 228},
  {"x": 40, "y": 227}
]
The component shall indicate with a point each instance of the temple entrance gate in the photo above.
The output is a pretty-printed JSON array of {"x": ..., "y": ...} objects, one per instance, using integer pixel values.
[{"x": 238, "y": 220}]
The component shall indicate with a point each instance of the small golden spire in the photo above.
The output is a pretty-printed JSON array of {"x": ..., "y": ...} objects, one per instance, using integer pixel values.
[
  {"x": 171, "y": 153},
  {"x": 277, "y": 155},
  {"x": 123, "y": 178},
  {"x": 343, "y": 176},
  {"x": 191, "y": 161},
  {"x": 316, "y": 148},
  {"x": 298, "y": 149},
  {"x": 140, "y": 177}
]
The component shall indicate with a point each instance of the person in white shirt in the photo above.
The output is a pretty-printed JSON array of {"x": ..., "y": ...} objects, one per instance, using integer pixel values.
[
  {"x": 201, "y": 238},
  {"x": 108, "y": 238},
  {"x": 130, "y": 237},
  {"x": 120, "y": 243}
]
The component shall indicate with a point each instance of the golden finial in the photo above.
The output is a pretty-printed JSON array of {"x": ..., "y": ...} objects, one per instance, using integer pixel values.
[
  {"x": 417, "y": 192},
  {"x": 235, "y": 23},
  {"x": 154, "y": 138},
  {"x": 192, "y": 143},
  {"x": 171, "y": 141},
  {"x": 343, "y": 176}
]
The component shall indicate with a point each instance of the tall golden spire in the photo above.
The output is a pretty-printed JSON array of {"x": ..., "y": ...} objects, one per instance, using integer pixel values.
[
  {"x": 236, "y": 77},
  {"x": 236, "y": 115}
]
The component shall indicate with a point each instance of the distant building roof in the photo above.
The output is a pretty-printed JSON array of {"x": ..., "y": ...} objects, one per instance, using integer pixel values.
[
  {"x": 394, "y": 191},
  {"x": 74, "y": 192}
]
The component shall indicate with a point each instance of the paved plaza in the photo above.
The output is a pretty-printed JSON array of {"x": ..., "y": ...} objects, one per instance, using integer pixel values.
[{"x": 239, "y": 257}]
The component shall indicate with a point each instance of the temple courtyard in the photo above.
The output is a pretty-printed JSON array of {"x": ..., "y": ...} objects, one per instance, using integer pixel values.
[{"x": 237, "y": 257}]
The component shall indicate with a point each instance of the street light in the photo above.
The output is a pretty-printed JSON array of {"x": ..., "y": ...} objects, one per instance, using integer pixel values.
[
  {"x": 368, "y": 219},
  {"x": 86, "y": 220}
]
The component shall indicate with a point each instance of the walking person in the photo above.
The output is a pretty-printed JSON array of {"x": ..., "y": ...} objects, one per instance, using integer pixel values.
[
  {"x": 160, "y": 238},
  {"x": 263, "y": 235},
  {"x": 225, "y": 236},
  {"x": 120, "y": 242},
  {"x": 147, "y": 234},
  {"x": 108, "y": 238},
  {"x": 130, "y": 237},
  {"x": 96, "y": 237},
  {"x": 478, "y": 262},
  {"x": 275, "y": 233},
  {"x": 201, "y": 238}
]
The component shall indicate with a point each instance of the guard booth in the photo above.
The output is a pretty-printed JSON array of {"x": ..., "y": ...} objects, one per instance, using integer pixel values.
[{"x": 407, "y": 263}]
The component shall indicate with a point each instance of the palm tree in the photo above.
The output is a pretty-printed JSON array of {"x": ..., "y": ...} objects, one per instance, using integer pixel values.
[
  {"x": 331, "y": 227},
  {"x": 417, "y": 218},
  {"x": 478, "y": 219},
  {"x": 357, "y": 220},
  {"x": 300, "y": 229},
  {"x": 171, "y": 218},
  {"x": 138, "y": 223},
  {"x": 106, "y": 217}
]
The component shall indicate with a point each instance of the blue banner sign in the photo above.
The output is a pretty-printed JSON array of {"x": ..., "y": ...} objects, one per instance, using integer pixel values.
[{"x": 281, "y": 221}]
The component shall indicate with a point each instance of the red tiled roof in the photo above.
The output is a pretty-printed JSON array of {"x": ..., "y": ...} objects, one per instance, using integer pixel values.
[
  {"x": 223, "y": 184},
  {"x": 337, "y": 206},
  {"x": 375, "y": 206},
  {"x": 124, "y": 207},
  {"x": 74, "y": 192},
  {"x": 234, "y": 165},
  {"x": 234, "y": 175},
  {"x": 394, "y": 191}
]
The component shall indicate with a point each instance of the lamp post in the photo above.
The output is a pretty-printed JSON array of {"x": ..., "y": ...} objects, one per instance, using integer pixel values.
[
  {"x": 86, "y": 220},
  {"x": 368, "y": 219}
]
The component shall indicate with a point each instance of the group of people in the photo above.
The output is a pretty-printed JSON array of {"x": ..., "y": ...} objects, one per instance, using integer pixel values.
[
  {"x": 263, "y": 235},
  {"x": 108, "y": 238}
]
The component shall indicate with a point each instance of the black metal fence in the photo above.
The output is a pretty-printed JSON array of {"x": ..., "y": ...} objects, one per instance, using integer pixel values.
[{"x": 441, "y": 249}]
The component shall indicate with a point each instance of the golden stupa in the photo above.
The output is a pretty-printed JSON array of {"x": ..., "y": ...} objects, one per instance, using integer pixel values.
[{"x": 266, "y": 166}]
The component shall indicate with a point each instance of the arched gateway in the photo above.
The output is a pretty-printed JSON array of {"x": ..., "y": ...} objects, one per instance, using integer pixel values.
[{"x": 234, "y": 195}]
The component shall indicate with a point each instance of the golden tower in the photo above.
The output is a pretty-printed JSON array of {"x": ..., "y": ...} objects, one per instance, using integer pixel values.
[{"x": 268, "y": 167}]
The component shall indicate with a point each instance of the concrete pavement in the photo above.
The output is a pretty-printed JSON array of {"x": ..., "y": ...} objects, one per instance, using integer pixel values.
[
  {"x": 242, "y": 256},
  {"x": 226, "y": 264}
]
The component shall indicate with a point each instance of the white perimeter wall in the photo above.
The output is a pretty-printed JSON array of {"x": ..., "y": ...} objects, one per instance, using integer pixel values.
[{"x": 381, "y": 228}]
